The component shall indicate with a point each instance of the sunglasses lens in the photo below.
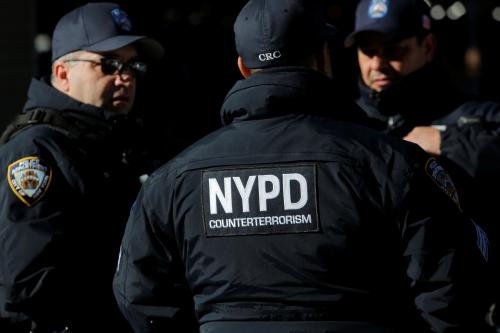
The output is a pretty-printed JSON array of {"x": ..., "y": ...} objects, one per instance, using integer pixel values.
[
  {"x": 138, "y": 68},
  {"x": 110, "y": 66}
]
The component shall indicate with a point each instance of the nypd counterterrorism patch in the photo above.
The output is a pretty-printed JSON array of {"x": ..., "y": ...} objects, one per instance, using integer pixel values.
[
  {"x": 442, "y": 179},
  {"x": 29, "y": 178},
  {"x": 260, "y": 200}
]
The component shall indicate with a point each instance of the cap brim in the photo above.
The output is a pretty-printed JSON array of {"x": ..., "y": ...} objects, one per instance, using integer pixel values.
[
  {"x": 350, "y": 40},
  {"x": 147, "y": 47},
  {"x": 387, "y": 33}
]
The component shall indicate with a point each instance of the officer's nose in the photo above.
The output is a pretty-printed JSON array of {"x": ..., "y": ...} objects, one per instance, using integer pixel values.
[
  {"x": 124, "y": 76},
  {"x": 378, "y": 62}
]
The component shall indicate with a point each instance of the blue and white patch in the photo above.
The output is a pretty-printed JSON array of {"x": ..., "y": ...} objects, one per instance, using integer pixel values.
[
  {"x": 442, "y": 179},
  {"x": 482, "y": 241},
  {"x": 29, "y": 178},
  {"x": 121, "y": 19},
  {"x": 260, "y": 200},
  {"x": 378, "y": 8},
  {"x": 426, "y": 22}
]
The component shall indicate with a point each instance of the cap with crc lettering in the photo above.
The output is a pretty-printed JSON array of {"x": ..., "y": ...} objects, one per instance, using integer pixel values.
[{"x": 277, "y": 32}]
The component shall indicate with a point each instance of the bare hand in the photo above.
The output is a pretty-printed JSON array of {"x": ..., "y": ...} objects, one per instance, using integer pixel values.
[{"x": 429, "y": 138}]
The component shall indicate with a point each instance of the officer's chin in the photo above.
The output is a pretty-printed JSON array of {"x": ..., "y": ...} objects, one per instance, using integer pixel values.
[
  {"x": 382, "y": 84},
  {"x": 121, "y": 106}
]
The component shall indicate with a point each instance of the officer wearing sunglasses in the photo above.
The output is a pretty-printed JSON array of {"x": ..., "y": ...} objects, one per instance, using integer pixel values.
[
  {"x": 111, "y": 66},
  {"x": 68, "y": 184}
]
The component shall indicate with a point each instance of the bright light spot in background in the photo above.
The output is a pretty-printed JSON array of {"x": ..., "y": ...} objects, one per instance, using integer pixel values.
[
  {"x": 438, "y": 12},
  {"x": 496, "y": 14},
  {"x": 42, "y": 43},
  {"x": 456, "y": 11}
]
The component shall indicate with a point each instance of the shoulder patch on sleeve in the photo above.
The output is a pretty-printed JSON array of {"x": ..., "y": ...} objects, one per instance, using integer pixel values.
[
  {"x": 29, "y": 178},
  {"x": 442, "y": 179}
]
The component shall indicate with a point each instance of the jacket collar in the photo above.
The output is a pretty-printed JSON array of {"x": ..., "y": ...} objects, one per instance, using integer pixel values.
[
  {"x": 285, "y": 90},
  {"x": 41, "y": 94},
  {"x": 420, "y": 97}
]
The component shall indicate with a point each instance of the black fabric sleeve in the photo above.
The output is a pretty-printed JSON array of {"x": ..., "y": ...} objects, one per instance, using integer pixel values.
[
  {"x": 37, "y": 264},
  {"x": 444, "y": 263},
  {"x": 149, "y": 285}
]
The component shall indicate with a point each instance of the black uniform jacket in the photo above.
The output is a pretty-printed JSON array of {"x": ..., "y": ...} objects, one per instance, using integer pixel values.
[
  {"x": 289, "y": 220},
  {"x": 64, "y": 199},
  {"x": 470, "y": 133}
]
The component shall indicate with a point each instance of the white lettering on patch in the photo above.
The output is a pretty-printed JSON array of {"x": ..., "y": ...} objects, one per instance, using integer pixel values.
[{"x": 280, "y": 199}]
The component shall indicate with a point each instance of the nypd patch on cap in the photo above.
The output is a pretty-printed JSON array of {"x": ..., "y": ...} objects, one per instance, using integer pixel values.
[
  {"x": 394, "y": 18},
  {"x": 377, "y": 9},
  {"x": 29, "y": 178}
]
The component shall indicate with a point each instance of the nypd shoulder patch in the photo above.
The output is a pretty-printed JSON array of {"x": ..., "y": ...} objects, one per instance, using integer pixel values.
[
  {"x": 440, "y": 176},
  {"x": 29, "y": 178}
]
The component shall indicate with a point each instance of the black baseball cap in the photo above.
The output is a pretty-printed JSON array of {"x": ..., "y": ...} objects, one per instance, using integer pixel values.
[
  {"x": 99, "y": 27},
  {"x": 276, "y": 32},
  {"x": 396, "y": 19}
]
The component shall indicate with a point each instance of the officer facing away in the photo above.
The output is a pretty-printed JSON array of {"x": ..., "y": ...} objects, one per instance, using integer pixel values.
[
  {"x": 67, "y": 188},
  {"x": 291, "y": 219},
  {"x": 404, "y": 89}
]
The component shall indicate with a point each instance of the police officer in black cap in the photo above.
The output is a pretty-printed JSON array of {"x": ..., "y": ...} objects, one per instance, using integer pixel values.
[
  {"x": 68, "y": 187},
  {"x": 404, "y": 89},
  {"x": 292, "y": 219}
]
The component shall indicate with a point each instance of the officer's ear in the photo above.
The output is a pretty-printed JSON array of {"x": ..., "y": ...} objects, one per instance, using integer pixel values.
[
  {"x": 60, "y": 78},
  {"x": 243, "y": 69},
  {"x": 430, "y": 45},
  {"x": 323, "y": 60}
]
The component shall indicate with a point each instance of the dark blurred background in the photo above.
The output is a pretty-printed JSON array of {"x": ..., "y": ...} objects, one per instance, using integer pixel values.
[{"x": 179, "y": 100}]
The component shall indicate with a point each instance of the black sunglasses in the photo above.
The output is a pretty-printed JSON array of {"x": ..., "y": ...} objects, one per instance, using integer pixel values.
[{"x": 112, "y": 66}]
